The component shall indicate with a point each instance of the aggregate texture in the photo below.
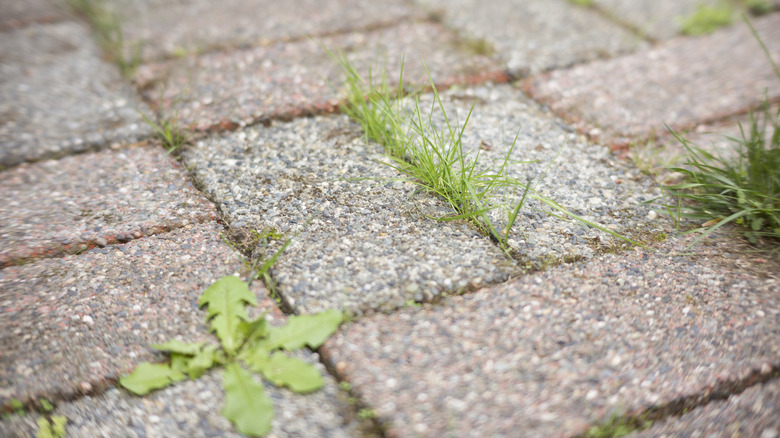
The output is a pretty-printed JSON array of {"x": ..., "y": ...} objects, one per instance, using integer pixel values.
[
  {"x": 58, "y": 97},
  {"x": 225, "y": 90},
  {"x": 532, "y": 36},
  {"x": 551, "y": 353},
  {"x": 755, "y": 412},
  {"x": 360, "y": 240},
  {"x": 72, "y": 325},
  {"x": 683, "y": 82},
  {"x": 166, "y": 29},
  {"x": 18, "y": 14},
  {"x": 659, "y": 20},
  {"x": 562, "y": 166},
  {"x": 191, "y": 408},
  {"x": 93, "y": 200}
]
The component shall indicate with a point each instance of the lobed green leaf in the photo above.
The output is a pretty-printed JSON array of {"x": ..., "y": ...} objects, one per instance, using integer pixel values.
[
  {"x": 246, "y": 404},
  {"x": 301, "y": 330},
  {"x": 147, "y": 377}
]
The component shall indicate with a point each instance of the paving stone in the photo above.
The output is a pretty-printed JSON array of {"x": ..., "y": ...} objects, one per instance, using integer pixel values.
[
  {"x": 192, "y": 409},
  {"x": 18, "y": 14},
  {"x": 228, "y": 89},
  {"x": 72, "y": 325},
  {"x": 755, "y": 412},
  {"x": 551, "y": 353},
  {"x": 58, "y": 97},
  {"x": 659, "y": 19},
  {"x": 582, "y": 177},
  {"x": 93, "y": 200},
  {"x": 359, "y": 238},
  {"x": 684, "y": 82},
  {"x": 531, "y": 36},
  {"x": 167, "y": 29}
]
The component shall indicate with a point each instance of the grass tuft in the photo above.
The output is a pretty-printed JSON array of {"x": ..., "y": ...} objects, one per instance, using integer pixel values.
[
  {"x": 166, "y": 126},
  {"x": 744, "y": 190},
  {"x": 706, "y": 19}
]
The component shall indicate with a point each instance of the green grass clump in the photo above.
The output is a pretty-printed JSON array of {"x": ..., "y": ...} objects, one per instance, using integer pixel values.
[
  {"x": 166, "y": 126},
  {"x": 744, "y": 190},
  {"x": 706, "y": 19},
  {"x": 108, "y": 32},
  {"x": 433, "y": 156},
  {"x": 582, "y": 2},
  {"x": 616, "y": 427}
]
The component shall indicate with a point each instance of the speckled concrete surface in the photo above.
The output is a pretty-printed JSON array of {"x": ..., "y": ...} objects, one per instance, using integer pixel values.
[
  {"x": 683, "y": 82},
  {"x": 235, "y": 88},
  {"x": 360, "y": 240},
  {"x": 17, "y": 14},
  {"x": 657, "y": 19},
  {"x": 168, "y": 29},
  {"x": 57, "y": 96},
  {"x": 753, "y": 413},
  {"x": 74, "y": 323},
  {"x": 532, "y": 36},
  {"x": 191, "y": 409},
  {"x": 548, "y": 354},
  {"x": 93, "y": 200}
]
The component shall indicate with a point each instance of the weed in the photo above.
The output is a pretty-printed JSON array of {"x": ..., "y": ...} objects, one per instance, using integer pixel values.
[
  {"x": 244, "y": 343},
  {"x": 758, "y": 7},
  {"x": 53, "y": 427},
  {"x": 365, "y": 414},
  {"x": 434, "y": 158},
  {"x": 166, "y": 127},
  {"x": 745, "y": 190},
  {"x": 706, "y": 19},
  {"x": 582, "y": 2},
  {"x": 617, "y": 426},
  {"x": 108, "y": 32}
]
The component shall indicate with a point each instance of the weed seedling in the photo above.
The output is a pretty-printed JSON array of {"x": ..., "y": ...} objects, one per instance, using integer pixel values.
[
  {"x": 706, "y": 19},
  {"x": 166, "y": 127}
]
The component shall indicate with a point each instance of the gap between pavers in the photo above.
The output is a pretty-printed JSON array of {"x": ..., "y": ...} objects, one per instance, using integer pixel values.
[
  {"x": 92, "y": 200},
  {"x": 533, "y": 36},
  {"x": 753, "y": 413},
  {"x": 359, "y": 242},
  {"x": 175, "y": 29},
  {"x": 552, "y": 353},
  {"x": 683, "y": 82},
  {"x": 657, "y": 19},
  {"x": 58, "y": 97},
  {"x": 226, "y": 90}
]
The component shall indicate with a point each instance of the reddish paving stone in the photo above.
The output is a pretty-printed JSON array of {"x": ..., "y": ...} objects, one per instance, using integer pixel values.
[
  {"x": 753, "y": 413},
  {"x": 72, "y": 325},
  {"x": 58, "y": 96},
  {"x": 532, "y": 36},
  {"x": 193, "y": 26},
  {"x": 15, "y": 13},
  {"x": 685, "y": 82},
  {"x": 80, "y": 202},
  {"x": 227, "y": 89},
  {"x": 549, "y": 354}
]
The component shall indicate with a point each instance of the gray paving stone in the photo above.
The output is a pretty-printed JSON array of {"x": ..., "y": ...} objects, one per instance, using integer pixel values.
[
  {"x": 235, "y": 88},
  {"x": 58, "y": 97},
  {"x": 192, "y": 409},
  {"x": 755, "y": 412},
  {"x": 582, "y": 177},
  {"x": 360, "y": 240},
  {"x": 531, "y": 36},
  {"x": 658, "y": 19},
  {"x": 167, "y": 28},
  {"x": 73, "y": 325},
  {"x": 551, "y": 353},
  {"x": 684, "y": 82},
  {"x": 93, "y": 200},
  {"x": 17, "y": 14}
]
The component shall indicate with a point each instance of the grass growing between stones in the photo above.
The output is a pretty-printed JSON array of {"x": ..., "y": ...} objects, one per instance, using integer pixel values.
[
  {"x": 166, "y": 126},
  {"x": 433, "y": 157},
  {"x": 745, "y": 190}
]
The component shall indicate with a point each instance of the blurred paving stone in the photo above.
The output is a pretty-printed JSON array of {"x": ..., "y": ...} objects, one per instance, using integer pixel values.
[
  {"x": 192, "y": 409},
  {"x": 684, "y": 82},
  {"x": 69, "y": 205},
  {"x": 531, "y": 36},
  {"x": 285, "y": 80},
  {"x": 15, "y": 13},
  {"x": 357, "y": 244},
  {"x": 753, "y": 413},
  {"x": 551, "y": 353},
  {"x": 658, "y": 19},
  {"x": 72, "y": 325},
  {"x": 167, "y": 29},
  {"x": 57, "y": 96},
  {"x": 584, "y": 178}
]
